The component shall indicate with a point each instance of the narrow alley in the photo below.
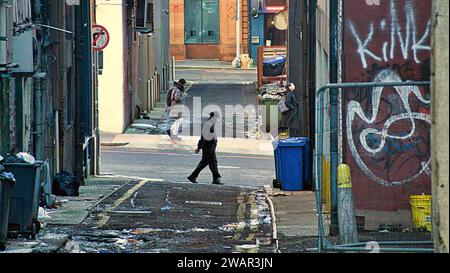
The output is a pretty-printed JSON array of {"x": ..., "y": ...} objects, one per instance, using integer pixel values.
[{"x": 230, "y": 127}]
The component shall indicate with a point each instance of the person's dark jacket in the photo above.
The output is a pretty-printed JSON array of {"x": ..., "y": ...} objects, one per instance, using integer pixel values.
[
  {"x": 211, "y": 142},
  {"x": 290, "y": 119}
]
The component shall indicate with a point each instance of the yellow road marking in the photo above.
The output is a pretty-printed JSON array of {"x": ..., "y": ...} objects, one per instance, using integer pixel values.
[
  {"x": 253, "y": 217},
  {"x": 240, "y": 215},
  {"x": 122, "y": 199}
]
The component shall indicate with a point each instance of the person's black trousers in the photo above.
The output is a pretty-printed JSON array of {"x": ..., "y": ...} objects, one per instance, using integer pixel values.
[{"x": 209, "y": 158}]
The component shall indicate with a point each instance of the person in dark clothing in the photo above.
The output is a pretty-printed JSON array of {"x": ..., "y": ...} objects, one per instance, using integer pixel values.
[
  {"x": 290, "y": 118},
  {"x": 208, "y": 143}
]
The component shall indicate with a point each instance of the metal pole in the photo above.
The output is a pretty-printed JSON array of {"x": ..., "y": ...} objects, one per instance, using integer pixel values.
[
  {"x": 238, "y": 30},
  {"x": 173, "y": 69},
  {"x": 312, "y": 75},
  {"x": 318, "y": 164},
  {"x": 149, "y": 96},
  {"x": 334, "y": 98},
  {"x": 153, "y": 92},
  {"x": 158, "y": 84},
  {"x": 57, "y": 165}
]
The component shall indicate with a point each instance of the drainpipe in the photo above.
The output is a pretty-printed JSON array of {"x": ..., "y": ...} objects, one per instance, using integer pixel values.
[
  {"x": 238, "y": 30},
  {"x": 312, "y": 77},
  {"x": 38, "y": 124},
  {"x": 334, "y": 101}
]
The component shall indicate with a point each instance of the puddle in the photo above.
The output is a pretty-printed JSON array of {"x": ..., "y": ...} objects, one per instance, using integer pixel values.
[{"x": 247, "y": 248}]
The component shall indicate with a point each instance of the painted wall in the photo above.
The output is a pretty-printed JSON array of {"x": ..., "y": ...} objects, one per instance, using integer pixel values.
[
  {"x": 387, "y": 132},
  {"x": 112, "y": 83}
]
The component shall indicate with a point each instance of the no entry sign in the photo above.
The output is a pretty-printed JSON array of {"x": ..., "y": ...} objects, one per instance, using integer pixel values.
[{"x": 100, "y": 37}]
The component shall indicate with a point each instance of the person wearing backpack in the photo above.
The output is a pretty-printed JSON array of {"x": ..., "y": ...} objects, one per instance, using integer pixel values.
[
  {"x": 175, "y": 107},
  {"x": 288, "y": 106}
]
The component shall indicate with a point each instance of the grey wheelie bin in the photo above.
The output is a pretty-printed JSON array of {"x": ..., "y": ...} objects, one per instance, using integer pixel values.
[
  {"x": 24, "y": 207},
  {"x": 6, "y": 184}
]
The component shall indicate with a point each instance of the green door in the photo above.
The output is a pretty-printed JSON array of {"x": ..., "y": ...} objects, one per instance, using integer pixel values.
[{"x": 202, "y": 21}]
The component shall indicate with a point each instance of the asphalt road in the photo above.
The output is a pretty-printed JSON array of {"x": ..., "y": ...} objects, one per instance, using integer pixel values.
[
  {"x": 156, "y": 217},
  {"x": 215, "y": 76},
  {"x": 175, "y": 166},
  {"x": 236, "y": 103}
]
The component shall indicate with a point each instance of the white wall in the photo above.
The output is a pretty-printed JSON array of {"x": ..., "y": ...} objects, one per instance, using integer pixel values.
[{"x": 110, "y": 14}]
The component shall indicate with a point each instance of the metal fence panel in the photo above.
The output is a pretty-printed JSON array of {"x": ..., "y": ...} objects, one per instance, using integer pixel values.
[{"x": 388, "y": 218}]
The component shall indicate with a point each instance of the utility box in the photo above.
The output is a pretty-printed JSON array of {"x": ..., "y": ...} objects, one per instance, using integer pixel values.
[{"x": 23, "y": 54}]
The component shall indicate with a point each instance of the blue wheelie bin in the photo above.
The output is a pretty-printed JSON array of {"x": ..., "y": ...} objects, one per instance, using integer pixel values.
[
  {"x": 292, "y": 163},
  {"x": 25, "y": 196}
]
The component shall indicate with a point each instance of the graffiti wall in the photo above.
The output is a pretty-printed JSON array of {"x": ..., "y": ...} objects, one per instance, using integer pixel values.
[{"x": 387, "y": 130}]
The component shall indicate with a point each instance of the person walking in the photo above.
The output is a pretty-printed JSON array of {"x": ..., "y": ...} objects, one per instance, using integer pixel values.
[
  {"x": 208, "y": 144},
  {"x": 289, "y": 115},
  {"x": 175, "y": 106}
]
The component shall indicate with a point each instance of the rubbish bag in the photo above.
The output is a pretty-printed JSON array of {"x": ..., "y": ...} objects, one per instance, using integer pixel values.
[
  {"x": 26, "y": 158},
  {"x": 65, "y": 184},
  {"x": 12, "y": 158},
  {"x": 274, "y": 66}
]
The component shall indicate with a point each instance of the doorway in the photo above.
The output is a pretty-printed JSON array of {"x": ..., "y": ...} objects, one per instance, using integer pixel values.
[{"x": 202, "y": 29}]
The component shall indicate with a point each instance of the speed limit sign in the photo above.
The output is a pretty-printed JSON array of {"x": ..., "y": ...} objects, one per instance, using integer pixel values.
[{"x": 100, "y": 37}]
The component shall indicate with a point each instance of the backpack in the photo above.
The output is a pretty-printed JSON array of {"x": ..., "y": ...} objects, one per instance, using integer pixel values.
[
  {"x": 169, "y": 97},
  {"x": 282, "y": 105}
]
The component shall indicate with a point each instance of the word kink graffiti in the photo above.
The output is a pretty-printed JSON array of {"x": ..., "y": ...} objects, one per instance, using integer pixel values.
[{"x": 406, "y": 35}]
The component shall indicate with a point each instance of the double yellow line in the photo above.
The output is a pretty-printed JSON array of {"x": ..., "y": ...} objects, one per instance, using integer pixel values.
[{"x": 105, "y": 218}]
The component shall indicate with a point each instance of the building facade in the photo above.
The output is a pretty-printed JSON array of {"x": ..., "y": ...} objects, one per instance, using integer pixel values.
[
  {"x": 138, "y": 48},
  {"x": 209, "y": 29},
  {"x": 47, "y": 92},
  {"x": 359, "y": 42}
]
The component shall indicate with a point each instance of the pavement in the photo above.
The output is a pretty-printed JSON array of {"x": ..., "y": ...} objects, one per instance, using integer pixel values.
[
  {"x": 296, "y": 220},
  {"x": 208, "y": 65},
  {"x": 58, "y": 224},
  {"x": 189, "y": 143}
]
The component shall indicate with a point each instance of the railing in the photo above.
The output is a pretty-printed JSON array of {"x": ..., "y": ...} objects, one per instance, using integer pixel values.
[{"x": 336, "y": 122}]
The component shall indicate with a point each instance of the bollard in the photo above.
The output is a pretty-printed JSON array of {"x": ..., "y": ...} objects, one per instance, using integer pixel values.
[
  {"x": 348, "y": 232},
  {"x": 152, "y": 88},
  {"x": 158, "y": 86},
  {"x": 154, "y": 92},
  {"x": 149, "y": 96}
]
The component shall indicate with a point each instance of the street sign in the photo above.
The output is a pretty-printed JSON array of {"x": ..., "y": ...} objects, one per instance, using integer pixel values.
[{"x": 100, "y": 37}]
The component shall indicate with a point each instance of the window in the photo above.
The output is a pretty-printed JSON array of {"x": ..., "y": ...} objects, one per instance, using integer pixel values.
[
  {"x": 150, "y": 16},
  {"x": 141, "y": 13},
  {"x": 202, "y": 21}
]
